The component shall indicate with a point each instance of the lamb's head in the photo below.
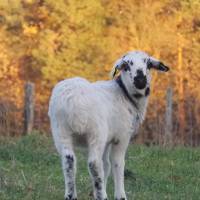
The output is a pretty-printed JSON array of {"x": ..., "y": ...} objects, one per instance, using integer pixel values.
[{"x": 135, "y": 70}]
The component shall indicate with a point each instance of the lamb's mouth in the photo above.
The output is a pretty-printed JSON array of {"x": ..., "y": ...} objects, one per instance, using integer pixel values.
[{"x": 139, "y": 95}]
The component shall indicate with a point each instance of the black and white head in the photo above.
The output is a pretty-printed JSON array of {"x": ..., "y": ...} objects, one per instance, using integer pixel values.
[{"x": 134, "y": 68}]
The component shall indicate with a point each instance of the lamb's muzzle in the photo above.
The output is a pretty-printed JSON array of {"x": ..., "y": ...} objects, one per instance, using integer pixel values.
[
  {"x": 140, "y": 80},
  {"x": 107, "y": 115}
]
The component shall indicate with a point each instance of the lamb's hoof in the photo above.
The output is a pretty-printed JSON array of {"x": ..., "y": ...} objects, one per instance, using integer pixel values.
[{"x": 103, "y": 199}]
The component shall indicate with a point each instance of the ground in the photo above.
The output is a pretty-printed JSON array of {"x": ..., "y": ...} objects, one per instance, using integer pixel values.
[{"x": 30, "y": 170}]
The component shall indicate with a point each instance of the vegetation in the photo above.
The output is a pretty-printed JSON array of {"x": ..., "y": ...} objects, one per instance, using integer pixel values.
[
  {"x": 30, "y": 169},
  {"x": 44, "y": 41}
]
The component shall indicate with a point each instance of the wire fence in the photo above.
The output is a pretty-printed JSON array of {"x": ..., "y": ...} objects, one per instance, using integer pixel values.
[{"x": 161, "y": 126}]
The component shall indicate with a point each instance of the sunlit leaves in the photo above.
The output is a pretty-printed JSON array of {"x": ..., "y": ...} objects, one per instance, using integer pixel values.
[
  {"x": 66, "y": 38},
  {"x": 29, "y": 30}
]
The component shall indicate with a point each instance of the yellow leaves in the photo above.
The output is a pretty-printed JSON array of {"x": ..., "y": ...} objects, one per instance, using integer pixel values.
[
  {"x": 84, "y": 37},
  {"x": 30, "y": 30},
  {"x": 43, "y": 12},
  {"x": 29, "y": 1}
]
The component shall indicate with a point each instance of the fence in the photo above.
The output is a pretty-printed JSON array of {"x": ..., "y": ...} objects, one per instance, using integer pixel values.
[
  {"x": 161, "y": 126},
  {"x": 16, "y": 121}
]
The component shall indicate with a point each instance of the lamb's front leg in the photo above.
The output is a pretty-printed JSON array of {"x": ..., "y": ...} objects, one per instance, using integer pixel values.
[
  {"x": 95, "y": 164},
  {"x": 118, "y": 163}
]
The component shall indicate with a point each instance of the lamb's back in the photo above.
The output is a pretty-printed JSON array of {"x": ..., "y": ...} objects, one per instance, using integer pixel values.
[{"x": 80, "y": 103}]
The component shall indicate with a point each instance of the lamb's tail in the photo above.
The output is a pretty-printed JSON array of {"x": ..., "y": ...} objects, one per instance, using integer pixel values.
[{"x": 56, "y": 132}]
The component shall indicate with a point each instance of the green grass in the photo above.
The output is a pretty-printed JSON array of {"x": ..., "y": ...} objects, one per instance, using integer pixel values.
[{"x": 30, "y": 170}]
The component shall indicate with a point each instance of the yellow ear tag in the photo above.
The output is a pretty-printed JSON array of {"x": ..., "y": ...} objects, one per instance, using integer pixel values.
[{"x": 114, "y": 72}]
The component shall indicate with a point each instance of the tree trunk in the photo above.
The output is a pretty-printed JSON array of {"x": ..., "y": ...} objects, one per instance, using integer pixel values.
[{"x": 181, "y": 107}]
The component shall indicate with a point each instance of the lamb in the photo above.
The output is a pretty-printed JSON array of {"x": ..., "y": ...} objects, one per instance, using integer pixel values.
[{"x": 107, "y": 115}]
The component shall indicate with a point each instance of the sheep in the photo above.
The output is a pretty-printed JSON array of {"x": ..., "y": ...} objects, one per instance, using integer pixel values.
[{"x": 107, "y": 115}]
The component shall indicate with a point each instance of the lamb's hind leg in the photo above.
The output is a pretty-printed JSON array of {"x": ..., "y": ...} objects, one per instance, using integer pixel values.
[
  {"x": 106, "y": 164},
  {"x": 69, "y": 170},
  {"x": 95, "y": 164}
]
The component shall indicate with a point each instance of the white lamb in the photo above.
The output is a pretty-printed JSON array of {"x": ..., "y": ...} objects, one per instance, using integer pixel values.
[{"x": 106, "y": 114}]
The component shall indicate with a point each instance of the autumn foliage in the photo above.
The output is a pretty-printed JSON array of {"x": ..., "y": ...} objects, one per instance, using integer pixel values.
[{"x": 44, "y": 41}]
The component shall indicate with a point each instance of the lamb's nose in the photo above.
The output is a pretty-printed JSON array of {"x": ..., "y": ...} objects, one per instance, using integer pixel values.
[
  {"x": 140, "y": 80},
  {"x": 140, "y": 73}
]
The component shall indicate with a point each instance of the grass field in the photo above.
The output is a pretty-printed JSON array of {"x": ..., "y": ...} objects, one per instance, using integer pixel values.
[{"x": 30, "y": 170}]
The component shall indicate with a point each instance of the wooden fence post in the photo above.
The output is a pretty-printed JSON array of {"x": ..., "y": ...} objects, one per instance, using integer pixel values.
[
  {"x": 29, "y": 107},
  {"x": 168, "y": 118}
]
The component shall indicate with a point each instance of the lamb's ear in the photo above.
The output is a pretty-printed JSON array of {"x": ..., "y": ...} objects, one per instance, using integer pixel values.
[
  {"x": 118, "y": 66},
  {"x": 153, "y": 63}
]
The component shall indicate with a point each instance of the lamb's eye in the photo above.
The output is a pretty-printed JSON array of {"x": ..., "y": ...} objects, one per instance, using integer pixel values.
[
  {"x": 149, "y": 65},
  {"x": 126, "y": 67}
]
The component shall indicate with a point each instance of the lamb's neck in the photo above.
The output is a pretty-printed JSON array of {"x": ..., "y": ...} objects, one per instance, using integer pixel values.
[
  {"x": 126, "y": 92},
  {"x": 142, "y": 107},
  {"x": 141, "y": 99}
]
